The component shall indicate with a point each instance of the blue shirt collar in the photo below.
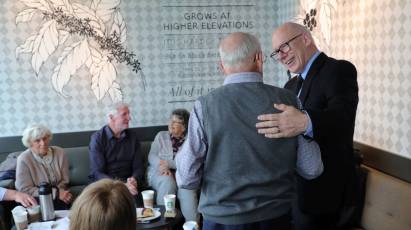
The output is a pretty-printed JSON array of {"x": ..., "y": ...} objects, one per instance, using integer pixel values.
[
  {"x": 243, "y": 77},
  {"x": 308, "y": 66}
]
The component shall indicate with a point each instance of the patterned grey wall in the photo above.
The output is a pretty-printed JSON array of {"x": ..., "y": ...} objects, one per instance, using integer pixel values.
[
  {"x": 372, "y": 34},
  {"x": 375, "y": 35},
  {"x": 169, "y": 82}
]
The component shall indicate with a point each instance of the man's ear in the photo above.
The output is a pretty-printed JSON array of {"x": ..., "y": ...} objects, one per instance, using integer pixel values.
[
  {"x": 307, "y": 39},
  {"x": 259, "y": 56},
  {"x": 259, "y": 61}
]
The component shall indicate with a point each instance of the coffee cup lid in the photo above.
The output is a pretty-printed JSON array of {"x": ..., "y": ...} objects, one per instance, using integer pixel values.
[
  {"x": 34, "y": 209},
  {"x": 18, "y": 209}
]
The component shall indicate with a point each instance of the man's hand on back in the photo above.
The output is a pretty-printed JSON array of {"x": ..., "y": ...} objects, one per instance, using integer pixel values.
[{"x": 288, "y": 123}]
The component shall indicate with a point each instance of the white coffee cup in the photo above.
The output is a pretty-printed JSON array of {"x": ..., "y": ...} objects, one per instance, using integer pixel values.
[
  {"x": 34, "y": 214},
  {"x": 20, "y": 219},
  {"x": 18, "y": 208},
  {"x": 148, "y": 198},
  {"x": 170, "y": 202},
  {"x": 190, "y": 225}
]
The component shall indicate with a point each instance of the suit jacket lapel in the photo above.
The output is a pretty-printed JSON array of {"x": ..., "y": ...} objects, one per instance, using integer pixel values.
[
  {"x": 315, "y": 67},
  {"x": 291, "y": 84}
]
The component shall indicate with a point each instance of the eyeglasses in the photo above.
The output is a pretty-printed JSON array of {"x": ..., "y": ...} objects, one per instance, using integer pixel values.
[{"x": 284, "y": 48}]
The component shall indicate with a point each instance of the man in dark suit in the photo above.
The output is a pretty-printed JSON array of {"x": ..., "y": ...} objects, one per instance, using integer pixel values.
[{"x": 328, "y": 91}]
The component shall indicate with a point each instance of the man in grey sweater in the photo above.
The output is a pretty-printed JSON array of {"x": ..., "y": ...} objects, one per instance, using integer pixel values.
[{"x": 246, "y": 180}]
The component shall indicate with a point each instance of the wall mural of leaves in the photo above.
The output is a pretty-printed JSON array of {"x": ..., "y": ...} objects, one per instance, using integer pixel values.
[
  {"x": 316, "y": 15},
  {"x": 102, "y": 32}
]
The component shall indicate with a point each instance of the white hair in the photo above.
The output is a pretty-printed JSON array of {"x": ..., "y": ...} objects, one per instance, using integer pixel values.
[
  {"x": 34, "y": 132},
  {"x": 114, "y": 109},
  {"x": 244, "y": 50}
]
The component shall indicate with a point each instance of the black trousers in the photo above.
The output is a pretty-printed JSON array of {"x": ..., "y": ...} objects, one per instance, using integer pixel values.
[{"x": 303, "y": 221}]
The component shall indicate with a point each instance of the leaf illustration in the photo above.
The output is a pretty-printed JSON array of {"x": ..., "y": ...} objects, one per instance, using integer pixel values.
[
  {"x": 63, "y": 35},
  {"x": 307, "y": 4},
  {"x": 57, "y": 3},
  {"x": 119, "y": 26},
  {"x": 94, "y": 59},
  {"x": 69, "y": 7},
  {"x": 104, "y": 8},
  {"x": 72, "y": 58},
  {"x": 318, "y": 43},
  {"x": 311, "y": 4},
  {"x": 102, "y": 78},
  {"x": 84, "y": 12},
  {"x": 333, "y": 3},
  {"x": 25, "y": 15},
  {"x": 305, "y": 7},
  {"x": 325, "y": 11},
  {"x": 27, "y": 46},
  {"x": 37, "y": 4},
  {"x": 44, "y": 44},
  {"x": 89, "y": 52},
  {"x": 65, "y": 5},
  {"x": 115, "y": 92}
]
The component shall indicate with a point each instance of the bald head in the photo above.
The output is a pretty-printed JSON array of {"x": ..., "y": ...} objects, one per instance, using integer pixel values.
[
  {"x": 238, "y": 51},
  {"x": 231, "y": 43},
  {"x": 290, "y": 28},
  {"x": 295, "y": 45}
]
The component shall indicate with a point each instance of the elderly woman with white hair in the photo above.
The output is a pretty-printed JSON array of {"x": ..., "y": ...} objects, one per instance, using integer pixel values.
[
  {"x": 162, "y": 166},
  {"x": 43, "y": 163}
]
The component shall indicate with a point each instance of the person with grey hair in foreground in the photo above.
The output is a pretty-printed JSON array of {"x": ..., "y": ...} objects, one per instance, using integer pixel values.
[
  {"x": 115, "y": 152},
  {"x": 246, "y": 180},
  {"x": 43, "y": 163}
]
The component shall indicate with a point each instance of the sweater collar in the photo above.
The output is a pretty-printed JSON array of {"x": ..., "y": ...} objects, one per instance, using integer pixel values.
[
  {"x": 46, "y": 159},
  {"x": 110, "y": 133},
  {"x": 243, "y": 77}
]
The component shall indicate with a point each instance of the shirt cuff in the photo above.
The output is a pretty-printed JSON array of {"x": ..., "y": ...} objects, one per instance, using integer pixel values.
[
  {"x": 309, "y": 131},
  {"x": 2, "y": 193},
  {"x": 55, "y": 193}
]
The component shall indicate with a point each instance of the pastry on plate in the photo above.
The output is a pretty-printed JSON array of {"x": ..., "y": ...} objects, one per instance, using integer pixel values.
[{"x": 147, "y": 212}]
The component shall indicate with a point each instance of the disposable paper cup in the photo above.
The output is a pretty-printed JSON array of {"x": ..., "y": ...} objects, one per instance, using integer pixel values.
[
  {"x": 20, "y": 219},
  {"x": 148, "y": 198},
  {"x": 190, "y": 225},
  {"x": 34, "y": 214},
  {"x": 18, "y": 209},
  {"x": 170, "y": 202}
]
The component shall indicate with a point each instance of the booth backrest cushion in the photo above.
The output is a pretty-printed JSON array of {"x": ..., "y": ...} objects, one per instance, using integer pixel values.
[
  {"x": 145, "y": 150},
  {"x": 8, "y": 170},
  {"x": 79, "y": 162},
  {"x": 79, "y": 165},
  {"x": 387, "y": 203}
]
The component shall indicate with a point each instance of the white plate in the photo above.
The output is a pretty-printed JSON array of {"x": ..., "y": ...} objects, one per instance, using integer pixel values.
[
  {"x": 61, "y": 213},
  {"x": 140, "y": 218}
]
